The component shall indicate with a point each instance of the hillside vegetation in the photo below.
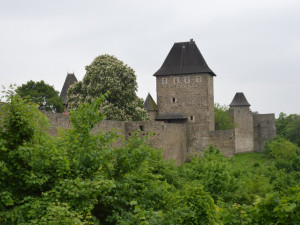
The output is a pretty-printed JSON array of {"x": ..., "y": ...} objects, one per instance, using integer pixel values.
[{"x": 79, "y": 178}]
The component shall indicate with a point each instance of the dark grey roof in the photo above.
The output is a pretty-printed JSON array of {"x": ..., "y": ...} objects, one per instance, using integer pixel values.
[
  {"x": 70, "y": 79},
  {"x": 170, "y": 116},
  {"x": 150, "y": 104},
  {"x": 184, "y": 58},
  {"x": 239, "y": 100}
]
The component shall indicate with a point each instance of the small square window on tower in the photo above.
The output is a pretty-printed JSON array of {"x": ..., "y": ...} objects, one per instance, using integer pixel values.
[
  {"x": 198, "y": 79},
  {"x": 176, "y": 80},
  {"x": 187, "y": 80},
  {"x": 174, "y": 100},
  {"x": 164, "y": 80},
  {"x": 192, "y": 118}
]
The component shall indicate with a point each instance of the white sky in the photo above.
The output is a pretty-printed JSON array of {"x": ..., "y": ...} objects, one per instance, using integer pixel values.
[{"x": 252, "y": 45}]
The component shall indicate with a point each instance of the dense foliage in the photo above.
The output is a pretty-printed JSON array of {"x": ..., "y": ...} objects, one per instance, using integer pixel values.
[
  {"x": 108, "y": 74},
  {"x": 223, "y": 121},
  {"x": 42, "y": 94},
  {"x": 288, "y": 126},
  {"x": 79, "y": 178}
]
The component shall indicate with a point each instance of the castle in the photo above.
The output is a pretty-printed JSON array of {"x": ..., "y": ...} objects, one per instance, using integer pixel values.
[{"x": 182, "y": 121}]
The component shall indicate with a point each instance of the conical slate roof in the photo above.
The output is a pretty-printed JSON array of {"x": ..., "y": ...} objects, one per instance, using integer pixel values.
[
  {"x": 150, "y": 104},
  {"x": 184, "y": 58},
  {"x": 70, "y": 79},
  {"x": 239, "y": 100}
]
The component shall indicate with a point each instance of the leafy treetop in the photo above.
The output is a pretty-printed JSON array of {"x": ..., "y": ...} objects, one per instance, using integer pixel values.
[
  {"x": 42, "y": 94},
  {"x": 107, "y": 74},
  {"x": 223, "y": 120},
  {"x": 288, "y": 126}
]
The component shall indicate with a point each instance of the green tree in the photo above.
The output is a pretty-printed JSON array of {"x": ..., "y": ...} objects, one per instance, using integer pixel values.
[
  {"x": 288, "y": 126},
  {"x": 214, "y": 171},
  {"x": 285, "y": 153},
  {"x": 42, "y": 94},
  {"x": 223, "y": 120},
  {"x": 108, "y": 74}
]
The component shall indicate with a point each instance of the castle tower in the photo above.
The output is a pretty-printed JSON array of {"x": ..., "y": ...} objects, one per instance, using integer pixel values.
[
  {"x": 70, "y": 79},
  {"x": 151, "y": 107},
  {"x": 243, "y": 119},
  {"x": 184, "y": 86}
]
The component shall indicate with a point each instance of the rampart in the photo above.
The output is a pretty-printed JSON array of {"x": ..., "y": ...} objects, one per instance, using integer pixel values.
[
  {"x": 264, "y": 129},
  {"x": 169, "y": 137},
  {"x": 224, "y": 140}
]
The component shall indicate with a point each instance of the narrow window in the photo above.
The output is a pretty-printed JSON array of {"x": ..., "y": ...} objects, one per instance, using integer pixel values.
[
  {"x": 176, "y": 80},
  {"x": 164, "y": 80},
  {"x": 174, "y": 100},
  {"x": 187, "y": 80},
  {"x": 199, "y": 79},
  {"x": 192, "y": 119}
]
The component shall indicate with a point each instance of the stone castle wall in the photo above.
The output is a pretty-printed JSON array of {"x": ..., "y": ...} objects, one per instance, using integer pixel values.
[
  {"x": 173, "y": 140},
  {"x": 264, "y": 129},
  {"x": 169, "y": 137},
  {"x": 224, "y": 140}
]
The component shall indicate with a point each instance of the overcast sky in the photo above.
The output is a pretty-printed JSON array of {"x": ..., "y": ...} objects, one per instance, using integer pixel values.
[{"x": 253, "y": 46}]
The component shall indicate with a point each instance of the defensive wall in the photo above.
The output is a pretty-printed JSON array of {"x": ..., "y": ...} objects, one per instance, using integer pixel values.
[
  {"x": 224, "y": 140},
  {"x": 169, "y": 137},
  {"x": 264, "y": 129},
  {"x": 248, "y": 136}
]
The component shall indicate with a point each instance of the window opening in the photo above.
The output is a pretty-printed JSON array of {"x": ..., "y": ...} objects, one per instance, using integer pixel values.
[{"x": 141, "y": 128}]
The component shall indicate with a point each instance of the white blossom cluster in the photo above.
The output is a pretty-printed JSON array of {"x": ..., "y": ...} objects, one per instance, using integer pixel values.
[{"x": 107, "y": 74}]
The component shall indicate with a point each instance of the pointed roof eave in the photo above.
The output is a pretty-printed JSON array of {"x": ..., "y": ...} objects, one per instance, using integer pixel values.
[
  {"x": 150, "y": 104},
  {"x": 239, "y": 100},
  {"x": 70, "y": 79},
  {"x": 184, "y": 58}
]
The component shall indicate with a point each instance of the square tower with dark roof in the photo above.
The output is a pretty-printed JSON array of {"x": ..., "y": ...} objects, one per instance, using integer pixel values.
[{"x": 184, "y": 86}]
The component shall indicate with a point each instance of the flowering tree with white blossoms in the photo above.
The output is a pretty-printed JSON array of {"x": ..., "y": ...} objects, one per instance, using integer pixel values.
[{"x": 107, "y": 74}]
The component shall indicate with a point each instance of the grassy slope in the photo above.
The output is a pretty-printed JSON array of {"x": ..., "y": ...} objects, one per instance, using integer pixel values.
[{"x": 250, "y": 158}]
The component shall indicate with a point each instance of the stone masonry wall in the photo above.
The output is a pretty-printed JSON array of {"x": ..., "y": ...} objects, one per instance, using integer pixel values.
[
  {"x": 152, "y": 114},
  {"x": 224, "y": 140},
  {"x": 171, "y": 138},
  {"x": 244, "y": 134},
  {"x": 264, "y": 129},
  {"x": 57, "y": 120}
]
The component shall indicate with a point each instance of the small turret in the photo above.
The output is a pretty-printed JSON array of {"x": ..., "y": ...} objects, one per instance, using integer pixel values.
[
  {"x": 70, "y": 79},
  {"x": 243, "y": 119},
  {"x": 151, "y": 107}
]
